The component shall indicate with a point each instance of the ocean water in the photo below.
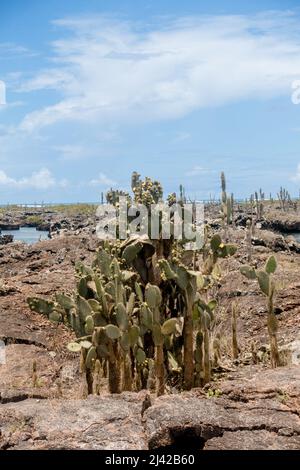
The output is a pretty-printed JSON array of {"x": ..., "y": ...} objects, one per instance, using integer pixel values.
[
  {"x": 296, "y": 236},
  {"x": 27, "y": 234}
]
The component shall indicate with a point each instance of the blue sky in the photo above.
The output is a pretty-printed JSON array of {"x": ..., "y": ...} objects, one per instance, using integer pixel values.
[{"x": 178, "y": 91}]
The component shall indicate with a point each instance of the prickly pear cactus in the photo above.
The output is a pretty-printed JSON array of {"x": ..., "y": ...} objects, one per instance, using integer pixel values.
[
  {"x": 268, "y": 288},
  {"x": 138, "y": 311}
]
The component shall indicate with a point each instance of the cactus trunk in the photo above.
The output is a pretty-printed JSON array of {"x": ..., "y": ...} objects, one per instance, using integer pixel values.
[
  {"x": 188, "y": 346},
  {"x": 97, "y": 378},
  {"x": 160, "y": 373},
  {"x": 199, "y": 359},
  {"x": 206, "y": 358},
  {"x": 127, "y": 375},
  {"x": 89, "y": 381},
  {"x": 272, "y": 329},
  {"x": 114, "y": 375},
  {"x": 275, "y": 360}
]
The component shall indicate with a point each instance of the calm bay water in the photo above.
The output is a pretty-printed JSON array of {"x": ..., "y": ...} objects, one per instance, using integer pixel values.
[
  {"x": 296, "y": 236},
  {"x": 27, "y": 234}
]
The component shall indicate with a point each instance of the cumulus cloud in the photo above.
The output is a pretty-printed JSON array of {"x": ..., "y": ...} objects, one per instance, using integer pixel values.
[
  {"x": 113, "y": 70},
  {"x": 42, "y": 179},
  {"x": 296, "y": 176},
  {"x": 102, "y": 180}
]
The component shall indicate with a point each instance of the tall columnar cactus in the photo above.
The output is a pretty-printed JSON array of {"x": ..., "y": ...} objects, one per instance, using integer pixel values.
[
  {"x": 225, "y": 203},
  {"x": 261, "y": 194},
  {"x": 182, "y": 197},
  {"x": 251, "y": 201},
  {"x": 268, "y": 288},
  {"x": 284, "y": 198},
  {"x": 232, "y": 208},
  {"x": 256, "y": 204},
  {"x": 249, "y": 239},
  {"x": 259, "y": 204}
]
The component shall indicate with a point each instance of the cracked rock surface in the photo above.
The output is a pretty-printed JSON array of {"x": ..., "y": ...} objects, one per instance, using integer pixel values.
[
  {"x": 253, "y": 405},
  {"x": 261, "y": 413},
  {"x": 112, "y": 422}
]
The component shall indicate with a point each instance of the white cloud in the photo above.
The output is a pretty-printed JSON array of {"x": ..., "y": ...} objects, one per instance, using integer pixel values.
[
  {"x": 11, "y": 105},
  {"x": 296, "y": 176},
  {"x": 10, "y": 50},
  {"x": 71, "y": 152},
  {"x": 49, "y": 79},
  {"x": 2, "y": 93},
  {"x": 6, "y": 180},
  {"x": 48, "y": 116},
  {"x": 42, "y": 179},
  {"x": 102, "y": 180},
  {"x": 197, "y": 170},
  {"x": 110, "y": 70}
]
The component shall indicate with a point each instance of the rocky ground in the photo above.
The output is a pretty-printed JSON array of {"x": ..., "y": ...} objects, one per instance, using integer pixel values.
[
  {"x": 247, "y": 406},
  {"x": 252, "y": 411}
]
